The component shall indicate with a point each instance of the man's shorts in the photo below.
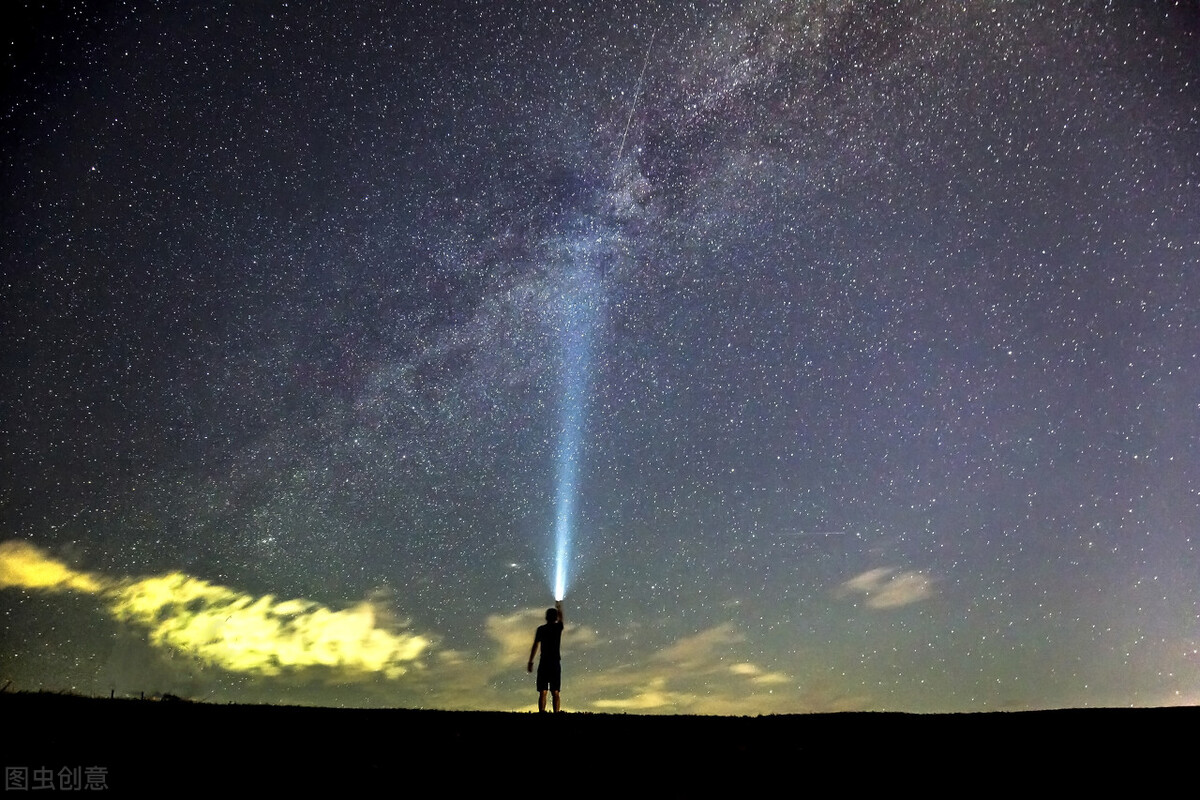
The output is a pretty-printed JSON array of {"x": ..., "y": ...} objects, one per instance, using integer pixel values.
[{"x": 549, "y": 676}]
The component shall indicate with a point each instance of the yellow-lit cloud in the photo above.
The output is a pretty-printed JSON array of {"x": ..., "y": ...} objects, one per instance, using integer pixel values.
[
  {"x": 23, "y": 565},
  {"x": 884, "y": 587},
  {"x": 651, "y": 696},
  {"x": 701, "y": 674},
  {"x": 696, "y": 652},
  {"x": 757, "y": 675},
  {"x": 514, "y": 633},
  {"x": 227, "y": 628}
]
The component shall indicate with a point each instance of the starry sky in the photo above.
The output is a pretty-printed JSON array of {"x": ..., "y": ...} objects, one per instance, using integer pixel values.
[{"x": 875, "y": 325}]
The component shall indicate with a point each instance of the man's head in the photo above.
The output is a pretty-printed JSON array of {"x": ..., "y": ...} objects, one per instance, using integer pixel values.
[{"x": 551, "y": 615}]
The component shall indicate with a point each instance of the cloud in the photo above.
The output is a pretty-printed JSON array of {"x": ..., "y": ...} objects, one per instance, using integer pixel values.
[
  {"x": 698, "y": 652},
  {"x": 227, "y": 628},
  {"x": 514, "y": 634},
  {"x": 260, "y": 635},
  {"x": 704, "y": 674},
  {"x": 25, "y": 566},
  {"x": 651, "y": 696},
  {"x": 757, "y": 675},
  {"x": 884, "y": 587}
]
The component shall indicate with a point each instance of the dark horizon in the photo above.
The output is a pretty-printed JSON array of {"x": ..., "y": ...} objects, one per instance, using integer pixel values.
[{"x": 151, "y": 744}]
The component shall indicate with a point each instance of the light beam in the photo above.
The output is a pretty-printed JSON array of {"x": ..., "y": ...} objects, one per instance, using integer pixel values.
[{"x": 580, "y": 305}]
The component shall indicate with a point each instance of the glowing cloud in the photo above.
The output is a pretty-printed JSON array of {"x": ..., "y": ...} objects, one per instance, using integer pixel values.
[
  {"x": 697, "y": 674},
  {"x": 23, "y": 565},
  {"x": 701, "y": 650},
  {"x": 653, "y": 696},
  {"x": 884, "y": 587},
  {"x": 755, "y": 674},
  {"x": 514, "y": 634},
  {"x": 227, "y": 628}
]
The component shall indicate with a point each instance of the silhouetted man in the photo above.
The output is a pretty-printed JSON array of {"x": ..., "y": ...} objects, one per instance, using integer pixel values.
[{"x": 549, "y": 674}]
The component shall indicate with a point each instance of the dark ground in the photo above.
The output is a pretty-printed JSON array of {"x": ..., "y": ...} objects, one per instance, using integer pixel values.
[{"x": 163, "y": 746}]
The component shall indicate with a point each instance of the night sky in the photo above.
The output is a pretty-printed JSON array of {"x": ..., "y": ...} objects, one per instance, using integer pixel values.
[{"x": 862, "y": 336}]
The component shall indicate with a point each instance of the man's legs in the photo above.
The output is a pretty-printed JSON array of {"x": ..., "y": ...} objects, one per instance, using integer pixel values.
[{"x": 549, "y": 678}]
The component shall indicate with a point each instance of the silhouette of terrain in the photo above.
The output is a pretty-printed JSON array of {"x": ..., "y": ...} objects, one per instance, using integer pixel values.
[{"x": 158, "y": 745}]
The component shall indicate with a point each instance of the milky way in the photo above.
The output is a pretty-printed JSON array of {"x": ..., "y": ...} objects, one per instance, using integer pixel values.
[{"x": 856, "y": 355}]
